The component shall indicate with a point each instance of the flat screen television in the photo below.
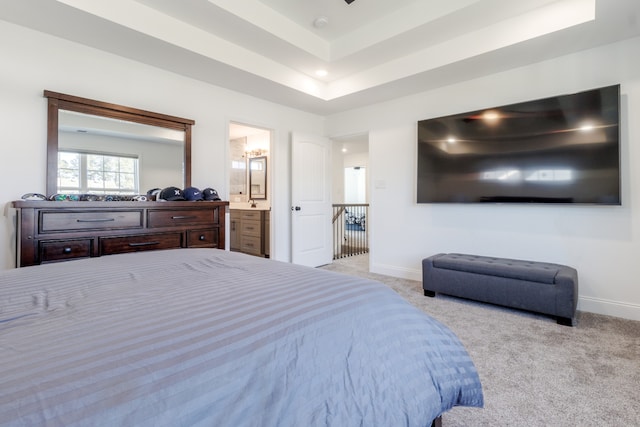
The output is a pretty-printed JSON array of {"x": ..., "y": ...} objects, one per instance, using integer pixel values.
[{"x": 562, "y": 149}]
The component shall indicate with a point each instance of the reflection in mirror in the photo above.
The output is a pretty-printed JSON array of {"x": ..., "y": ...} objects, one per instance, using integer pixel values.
[
  {"x": 100, "y": 155},
  {"x": 98, "y": 147},
  {"x": 258, "y": 178}
]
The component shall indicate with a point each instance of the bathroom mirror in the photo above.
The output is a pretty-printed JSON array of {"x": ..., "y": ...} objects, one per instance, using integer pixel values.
[
  {"x": 258, "y": 178},
  {"x": 160, "y": 144}
]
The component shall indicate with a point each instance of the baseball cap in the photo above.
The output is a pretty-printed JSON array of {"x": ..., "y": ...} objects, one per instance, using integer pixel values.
[
  {"x": 154, "y": 193},
  {"x": 210, "y": 194},
  {"x": 172, "y": 194},
  {"x": 192, "y": 193}
]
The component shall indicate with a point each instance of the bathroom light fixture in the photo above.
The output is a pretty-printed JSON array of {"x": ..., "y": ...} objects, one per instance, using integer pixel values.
[{"x": 256, "y": 152}]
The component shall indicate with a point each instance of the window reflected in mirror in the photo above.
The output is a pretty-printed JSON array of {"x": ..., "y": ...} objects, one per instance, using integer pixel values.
[
  {"x": 90, "y": 173},
  {"x": 258, "y": 178}
]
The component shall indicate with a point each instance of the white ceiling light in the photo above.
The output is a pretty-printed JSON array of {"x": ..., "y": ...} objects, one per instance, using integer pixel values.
[
  {"x": 320, "y": 22},
  {"x": 321, "y": 73}
]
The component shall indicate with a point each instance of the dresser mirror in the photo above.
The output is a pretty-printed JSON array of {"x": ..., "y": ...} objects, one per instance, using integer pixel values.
[
  {"x": 104, "y": 148},
  {"x": 258, "y": 178}
]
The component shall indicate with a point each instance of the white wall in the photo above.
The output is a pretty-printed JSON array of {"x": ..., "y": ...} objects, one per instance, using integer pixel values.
[
  {"x": 603, "y": 243},
  {"x": 33, "y": 62}
]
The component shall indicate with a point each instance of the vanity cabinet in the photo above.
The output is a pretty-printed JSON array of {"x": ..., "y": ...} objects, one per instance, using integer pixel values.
[
  {"x": 249, "y": 232},
  {"x": 234, "y": 230},
  {"x": 50, "y": 231}
]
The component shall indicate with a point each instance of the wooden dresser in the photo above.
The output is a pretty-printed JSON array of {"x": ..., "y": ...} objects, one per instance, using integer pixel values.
[{"x": 60, "y": 231}]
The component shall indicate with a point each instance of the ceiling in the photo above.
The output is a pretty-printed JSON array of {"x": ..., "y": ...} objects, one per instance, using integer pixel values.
[{"x": 372, "y": 50}]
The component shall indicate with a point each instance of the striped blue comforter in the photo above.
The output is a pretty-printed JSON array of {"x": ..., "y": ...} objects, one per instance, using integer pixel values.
[{"x": 204, "y": 337}]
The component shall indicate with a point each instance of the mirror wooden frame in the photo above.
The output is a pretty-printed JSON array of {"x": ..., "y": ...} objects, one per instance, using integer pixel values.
[
  {"x": 60, "y": 101},
  {"x": 252, "y": 195}
]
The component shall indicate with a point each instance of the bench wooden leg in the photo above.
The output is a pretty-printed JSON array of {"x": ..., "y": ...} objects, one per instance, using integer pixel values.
[
  {"x": 565, "y": 321},
  {"x": 428, "y": 293}
]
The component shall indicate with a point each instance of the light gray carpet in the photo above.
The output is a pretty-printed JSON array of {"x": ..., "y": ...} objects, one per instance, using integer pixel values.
[{"x": 535, "y": 372}]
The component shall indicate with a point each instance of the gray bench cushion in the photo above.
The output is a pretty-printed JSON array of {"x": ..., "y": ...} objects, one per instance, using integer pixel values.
[{"x": 511, "y": 268}]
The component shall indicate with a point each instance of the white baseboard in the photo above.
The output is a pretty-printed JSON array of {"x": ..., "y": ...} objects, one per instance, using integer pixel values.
[
  {"x": 588, "y": 304},
  {"x": 609, "y": 308},
  {"x": 395, "y": 271}
]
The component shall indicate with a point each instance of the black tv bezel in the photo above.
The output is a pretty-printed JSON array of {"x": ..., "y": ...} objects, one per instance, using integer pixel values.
[{"x": 508, "y": 200}]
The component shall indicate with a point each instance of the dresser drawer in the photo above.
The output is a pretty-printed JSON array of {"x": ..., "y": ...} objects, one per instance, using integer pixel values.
[
  {"x": 174, "y": 217},
  {"x": 61, "y": 250},
  {"x": 251, "y": 245},
  {"x": 245, "y": 214},
  {"x": 202, "y": 238},
  {"x": 142, "y": 242},
  {"x": 251, "y": 228},
  {"x": 89, "y": 220}
]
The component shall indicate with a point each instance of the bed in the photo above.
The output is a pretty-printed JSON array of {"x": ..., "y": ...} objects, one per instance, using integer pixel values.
[{"x": 206, "y": 337}]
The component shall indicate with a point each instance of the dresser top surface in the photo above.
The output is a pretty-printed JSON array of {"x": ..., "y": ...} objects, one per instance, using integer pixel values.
[{"x": 43, "y": 204}]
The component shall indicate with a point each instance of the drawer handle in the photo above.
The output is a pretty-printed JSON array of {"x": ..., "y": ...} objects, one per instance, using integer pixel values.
[
  {"x": 96, "y": 220},
  {"x": 202, "y": 237},
  {"x": 66, "y": 250},
  {"x": 183, "y": 217},
  {"x": 144, "y": 244}
]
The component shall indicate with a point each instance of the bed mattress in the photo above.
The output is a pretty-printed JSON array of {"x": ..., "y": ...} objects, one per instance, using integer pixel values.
[{"x": 214, "y": 338}]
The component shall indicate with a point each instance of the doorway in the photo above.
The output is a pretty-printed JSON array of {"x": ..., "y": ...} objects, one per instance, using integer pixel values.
[
  {"x": 350, "y": 200},
  {"x": 250, "y": 191}
]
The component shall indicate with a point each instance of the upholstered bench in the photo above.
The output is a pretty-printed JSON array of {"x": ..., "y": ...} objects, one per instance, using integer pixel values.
[{"x": 535, "y": 286}]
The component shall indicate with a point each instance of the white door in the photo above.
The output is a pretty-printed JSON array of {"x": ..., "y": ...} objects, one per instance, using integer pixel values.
[{"x": 311, "y": 200}]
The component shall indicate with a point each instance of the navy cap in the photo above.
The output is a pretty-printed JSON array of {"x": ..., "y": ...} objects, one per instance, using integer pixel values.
[
  {"x": 172, "y": 194},
  {"x": 210, "y": 194},
  {"x": 193, "y": 193}
]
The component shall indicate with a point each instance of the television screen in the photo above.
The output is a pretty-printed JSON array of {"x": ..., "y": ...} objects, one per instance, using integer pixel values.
[{"x": 563, "y": 149}]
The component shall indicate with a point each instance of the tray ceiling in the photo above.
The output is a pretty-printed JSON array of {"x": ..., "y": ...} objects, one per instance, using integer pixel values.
[{"x": 371, "y": 50}]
